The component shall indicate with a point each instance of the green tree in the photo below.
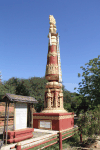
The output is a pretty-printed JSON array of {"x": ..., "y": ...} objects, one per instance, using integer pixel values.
[
  {"x": 38, "y": 91},
  {"x": 66, "y": 99},
  {"x": 90, "y": 85},
  {"x": 2, "y": 91},
  {"x": 74, "y": 102},
  {"x": 10, "y": 85},
  {"x": 69, "y": 101},
  {"x": 88, "y": 99},
  {"x": 21, "y": 89},
  {"x": 34, "y": 87},
  {"x": 89, "y": 123},
  {"x": 80, "y": 103}
]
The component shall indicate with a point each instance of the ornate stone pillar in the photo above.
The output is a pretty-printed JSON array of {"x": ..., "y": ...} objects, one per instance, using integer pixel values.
[{"x": 53, "y": 102}]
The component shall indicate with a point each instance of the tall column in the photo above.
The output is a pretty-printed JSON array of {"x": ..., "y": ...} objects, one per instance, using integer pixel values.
[{"x": 53, "y": 72}]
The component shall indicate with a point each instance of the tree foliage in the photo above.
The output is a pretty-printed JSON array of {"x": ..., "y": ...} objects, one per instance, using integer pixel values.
[
  {"x": 90, "y": 85},
  {"x": 88, "y": 108},
  {"x": 89, "y": 122},
  {"x": 34, "y": 87}
]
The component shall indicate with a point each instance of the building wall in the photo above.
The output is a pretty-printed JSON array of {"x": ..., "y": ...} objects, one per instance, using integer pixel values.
[{"x": 11, "y": 113}]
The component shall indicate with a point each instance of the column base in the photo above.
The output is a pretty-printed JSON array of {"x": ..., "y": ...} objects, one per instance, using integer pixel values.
[{"x": 53, "y": 121}]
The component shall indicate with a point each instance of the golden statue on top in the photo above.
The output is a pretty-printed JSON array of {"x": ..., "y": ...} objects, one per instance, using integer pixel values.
[
  {"x": 52, "y": 22},
  {"x": 52, "y": 19}
]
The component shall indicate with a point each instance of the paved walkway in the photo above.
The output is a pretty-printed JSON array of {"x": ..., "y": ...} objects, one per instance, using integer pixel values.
[{"x": 39, "y": 135}]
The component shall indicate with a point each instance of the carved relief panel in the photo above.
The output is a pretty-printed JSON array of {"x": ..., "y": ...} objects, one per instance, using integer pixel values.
[
  {"x": 58, "y": 101},
  {"x": 52, "y": 100}
]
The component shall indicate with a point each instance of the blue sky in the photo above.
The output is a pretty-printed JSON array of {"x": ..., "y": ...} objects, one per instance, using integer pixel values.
[{"x": 24, "y": 26}]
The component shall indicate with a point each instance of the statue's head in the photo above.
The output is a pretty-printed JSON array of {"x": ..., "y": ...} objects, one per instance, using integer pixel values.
[
  {"x": 52, "y": 19},
  {"x": 48, "y": 90}
]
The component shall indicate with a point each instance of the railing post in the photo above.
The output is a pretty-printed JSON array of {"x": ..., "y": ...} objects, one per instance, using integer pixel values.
[
  {"x": 60, "y": 141},
  {"x": 18, "y": 146}
]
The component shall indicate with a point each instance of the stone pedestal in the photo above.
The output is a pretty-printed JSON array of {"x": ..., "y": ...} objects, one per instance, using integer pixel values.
[{"x": 56, "y": 121}]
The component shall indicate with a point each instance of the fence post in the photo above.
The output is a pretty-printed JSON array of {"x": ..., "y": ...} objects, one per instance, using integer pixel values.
[
  {"x": 18, "y": 146},
  {"x": 60, "y": 141}
]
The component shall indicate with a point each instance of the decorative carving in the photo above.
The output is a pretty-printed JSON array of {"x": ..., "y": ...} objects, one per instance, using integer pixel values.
[
  {"x": 52, "y": 100},
  {"x": 52, "y": 29},
  {"x": 53, "y": 85},
  {"x": 58, "y": 101},
  {"x": 52, "y": 54},
  {"x": 52, "y": 22},
  {"x": 49, "y": 99},
  {"x": 54, "y": 77},
  {"x": 49, "y": 93},
  {"x": 52, "y": 90},
  {"x": 60, "y": 94},
  {"x": 52, "y": 69},
  {"x": 53, "y": 40},
  {"x": 54, "y": 117}
]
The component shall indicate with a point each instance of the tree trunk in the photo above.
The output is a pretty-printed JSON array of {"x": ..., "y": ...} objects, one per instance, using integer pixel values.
[{"x": 81, "y": 137}]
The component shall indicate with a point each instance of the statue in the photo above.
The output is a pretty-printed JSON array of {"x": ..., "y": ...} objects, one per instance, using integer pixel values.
[{"x": 52, "y": 22}]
